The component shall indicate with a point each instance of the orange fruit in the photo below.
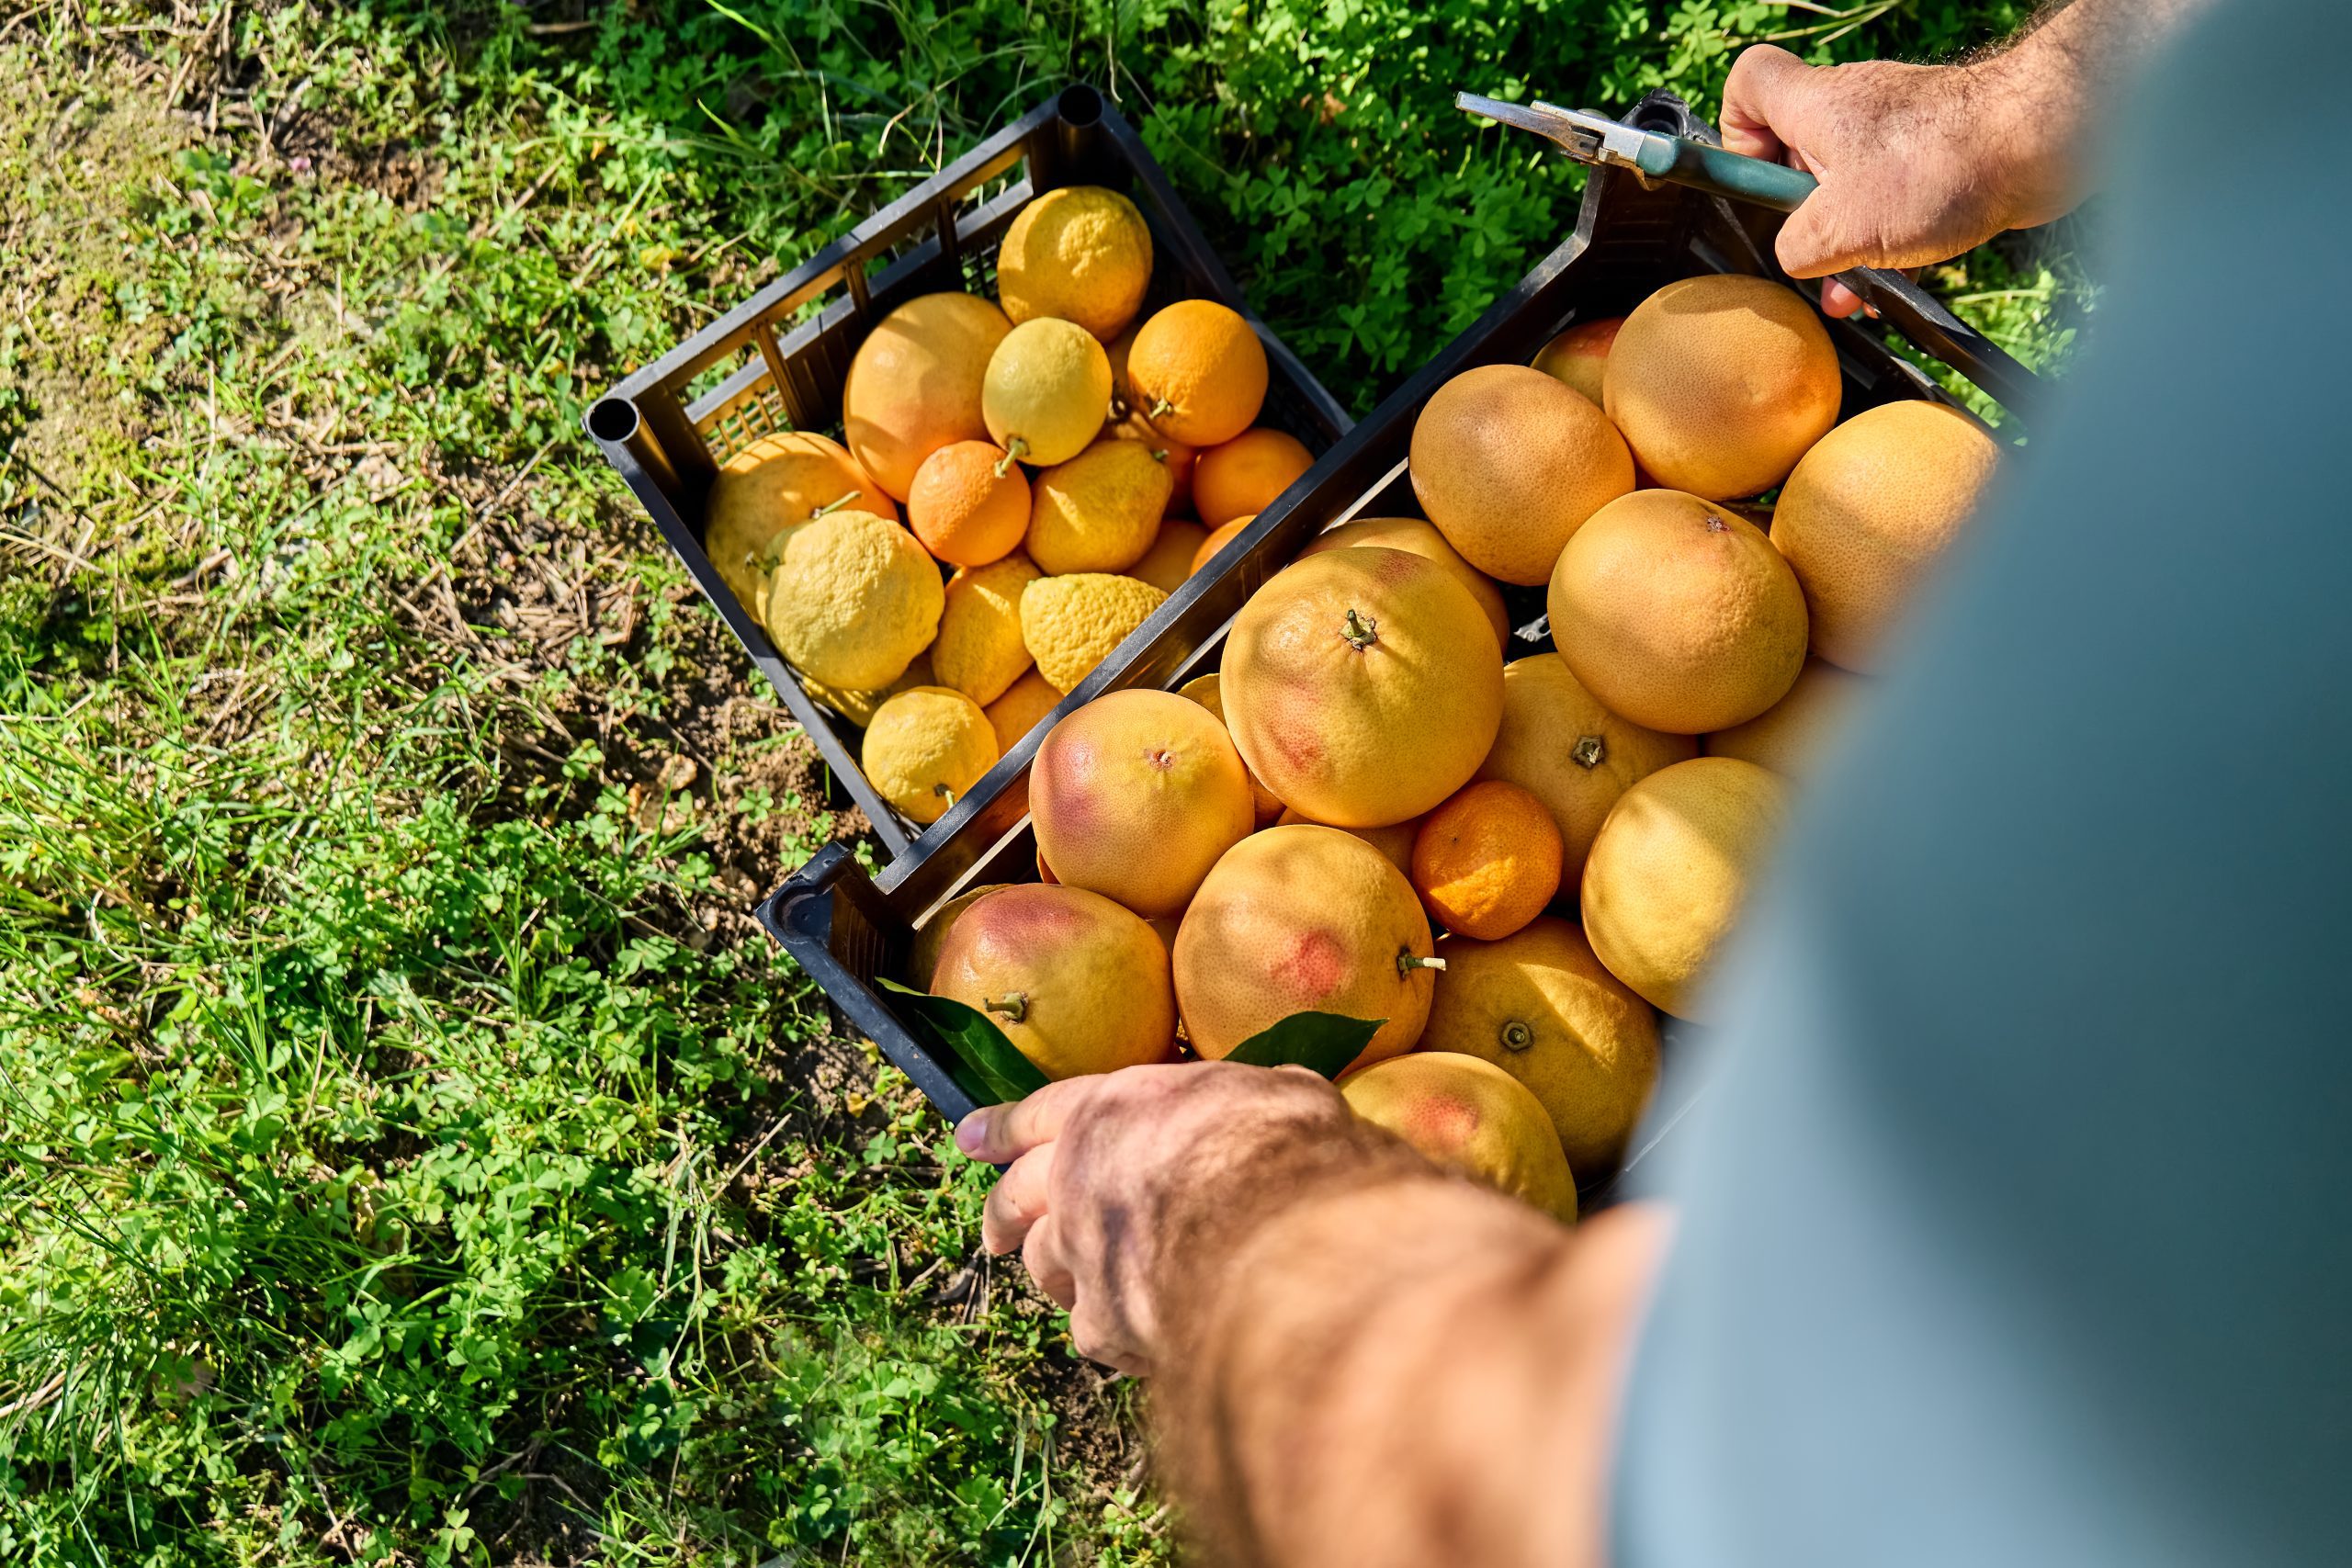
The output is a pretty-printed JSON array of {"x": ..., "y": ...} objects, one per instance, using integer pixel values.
[
  {"x": 1218, "y": 537},
  {"x": 1488, "y": 861},
  {"x": 1169, "y": 560},
  {"x": 1198, "y": 372},
  {"x": 776, "y": 483},
  {"x": 1302, "y": 920},
  {"x": 1677, "y": 612},
  {"x": 1242, "y": 476},
  {"x": 1791, "y": 736},
  {"x": 1078, "y": 984},
  {"x": 964, "y": 510},
  {"x": 914, "y": 384},
  {"x": 1868, "y": 513},
  {"x": 1363, "y": 685},
  {"x": 1395, "y": 840},
  {"x": 1509, "y": 463},
  {"x": 1560, "y": 744},
  {"x": 1081, "y": 252},
  {"x": 1205, "y": 691},
  {"x": 1136, "y": 796},
  {"x": 1421, "y": 539},
  {"x": 1576, "y": 358},
  {"x": 1539, "y": 1005},
  {"x": 1670, "y": 872},
  {"x": 1016, "y": 713},
  {"x": 1720, "y": 384},
  {"x": 1469, "y": 1116}
]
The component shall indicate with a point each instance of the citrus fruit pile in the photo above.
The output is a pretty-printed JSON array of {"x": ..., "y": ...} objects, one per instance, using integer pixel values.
[
  {"x": 1016, "y": 490},
  {"x": 1511, "y": 868}
]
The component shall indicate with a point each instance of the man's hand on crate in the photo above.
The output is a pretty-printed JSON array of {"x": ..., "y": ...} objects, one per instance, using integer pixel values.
[
  {"x": 1920, "y": 163},
  {"x": 1301, "y": 1287}
]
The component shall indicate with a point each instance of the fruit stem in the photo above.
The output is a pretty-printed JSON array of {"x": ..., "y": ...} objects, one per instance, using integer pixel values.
[
  {"x": 1013, "y": 450},
  {"x": 943, "y": 793},
  {"x": 1359, "y": 631},
  {"x": 1015, "y": 1004},
  {"x": 1406, "y": 963},
  {"x": 1160, "y": 406},
  {"x": 1159, "y": 454},
  {"x": 1517, "y": 1036},
  {"x": 835, "y": 504},
  {"x": 1588, "y": 750}
]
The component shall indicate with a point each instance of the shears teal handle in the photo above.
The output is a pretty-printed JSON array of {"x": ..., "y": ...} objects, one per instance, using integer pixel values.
[{"x": 1689, "y": 163}]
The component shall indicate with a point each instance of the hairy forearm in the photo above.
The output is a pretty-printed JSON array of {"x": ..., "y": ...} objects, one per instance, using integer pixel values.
[
  {"x": 1324, "y": 1408},
  {"x": 2059, "y": 80}
]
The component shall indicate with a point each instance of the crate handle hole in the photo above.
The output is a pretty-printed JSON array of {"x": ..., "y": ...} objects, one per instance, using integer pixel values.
[
  {"x": 613, "y": 419},
  {"x": 1081, "y": 107}
]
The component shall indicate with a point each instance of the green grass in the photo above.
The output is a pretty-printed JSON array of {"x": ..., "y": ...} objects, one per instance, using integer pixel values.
[{"x": 410, "y": 1151}]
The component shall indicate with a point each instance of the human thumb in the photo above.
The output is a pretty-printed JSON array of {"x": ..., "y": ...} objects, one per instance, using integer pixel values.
[
  {"x": 1826, "y": 234},
  {"x": 1764, "y": 102}
]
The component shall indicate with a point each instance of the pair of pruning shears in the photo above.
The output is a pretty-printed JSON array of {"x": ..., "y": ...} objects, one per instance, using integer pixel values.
[{"x": 1595, "y": 139}]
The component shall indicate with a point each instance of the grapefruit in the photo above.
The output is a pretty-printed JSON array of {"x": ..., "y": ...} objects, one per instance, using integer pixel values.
[
  {"x": 1667, "y": 877},
  {"x": 1791, "y": 736},
  {"x": 1363, "y": 685},
  {"x": 1869, "y": 510},
  {"x": 1421, "y": 539},
  {"x": 1078, "y": 984},
  {"x": 1393, "y": 840},
  {"x": 1539, "y": 1005},
  {"x": 1577, "y": 356},
  {"x": 914, "y": 384},
  {"x": 1677, "y": 612},
  {"x": 931, "y": 933},
  {"x": 1469, "y": 1116},
  {"x": 1206, "y": 689},
  {"x": 1303, "y": 919},
  {"x": 1720, "y": 383},
  {"x": 1136, "y": 796},
  {"x": 1509, "y": 463},
  {"x": 1557, "y": 742}
]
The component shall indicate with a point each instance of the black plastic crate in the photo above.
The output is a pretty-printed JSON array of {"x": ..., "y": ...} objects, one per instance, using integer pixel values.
[
  {"x": 779, "y": 359},
  {"x": 847, "y": 929}
]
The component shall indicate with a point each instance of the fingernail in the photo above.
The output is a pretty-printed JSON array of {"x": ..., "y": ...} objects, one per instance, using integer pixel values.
[{"x": 972, "y": 1132}]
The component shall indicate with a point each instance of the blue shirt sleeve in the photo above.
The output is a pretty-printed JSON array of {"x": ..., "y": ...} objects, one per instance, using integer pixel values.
[{"x": 2017, "y": 1210}]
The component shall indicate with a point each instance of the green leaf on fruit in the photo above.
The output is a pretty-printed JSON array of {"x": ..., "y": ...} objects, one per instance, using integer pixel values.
[
  {"x": 1321, "y": 1042},
  {"x": 984, "y": 1063}
]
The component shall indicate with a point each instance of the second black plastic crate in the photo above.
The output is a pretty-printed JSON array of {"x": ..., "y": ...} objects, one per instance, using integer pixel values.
[
  {"x": 846, "y": 930},
  {"x": 779, "y": 361}
]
